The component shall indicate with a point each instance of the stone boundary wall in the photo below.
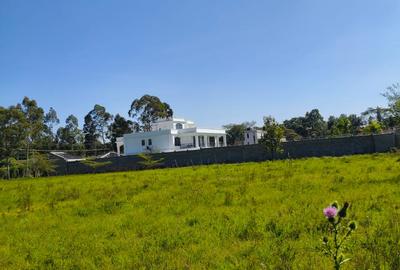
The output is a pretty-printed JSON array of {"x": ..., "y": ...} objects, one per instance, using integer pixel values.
[
  {"x": 397, "y": 138},
  {"x": 248, "y": 153}
]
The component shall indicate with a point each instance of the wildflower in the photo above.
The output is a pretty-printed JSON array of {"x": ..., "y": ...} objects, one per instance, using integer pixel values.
[
  {"x": 332, "y": 245},
  {"x": 330, "y": 212}
]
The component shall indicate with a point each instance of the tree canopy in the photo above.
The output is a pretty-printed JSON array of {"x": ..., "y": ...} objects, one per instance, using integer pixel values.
[
  {"x": 119, "y": 127},
  {"x": 273, "y": 135},
  {"x": 235, "y": 132},
  {"x": 70, "y": 137},
  {"x": 148, "y": 109},
  {"x": 392, "y": 95},
  {"x": 96, "y": 126}
]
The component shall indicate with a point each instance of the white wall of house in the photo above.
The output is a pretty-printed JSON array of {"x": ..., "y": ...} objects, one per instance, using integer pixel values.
[
  {"x": 252, "y": 136},
  {"x": 175, "y": 123},
  {"x": 167, "y": 137},
  {"x": 160, "y": 142}
]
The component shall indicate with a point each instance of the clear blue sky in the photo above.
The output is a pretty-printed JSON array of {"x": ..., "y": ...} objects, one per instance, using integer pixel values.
[{"x": 214, "y": 61}]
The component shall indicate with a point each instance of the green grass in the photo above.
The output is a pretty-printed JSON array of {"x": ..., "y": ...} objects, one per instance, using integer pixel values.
[{"x": 244, "y": 216}]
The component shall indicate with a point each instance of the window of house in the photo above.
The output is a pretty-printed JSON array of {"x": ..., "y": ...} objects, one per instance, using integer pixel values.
[
  {"x": 143, "y": 142},
  {"x": 254, "y": 138},
  {"x": 177, "y": 141},
  {"x": 248, "y": 136},
  {"x": 212, "y": 141},
  {"x": 150, "y": 142},
  {"x": 179, "y": 126},
  {"x": 221, "y": 141}
]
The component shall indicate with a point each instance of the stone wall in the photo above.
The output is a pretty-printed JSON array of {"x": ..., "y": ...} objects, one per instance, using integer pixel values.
[
  {"x": 397, "y": 138},
  {"x": 235, "y": 154}
]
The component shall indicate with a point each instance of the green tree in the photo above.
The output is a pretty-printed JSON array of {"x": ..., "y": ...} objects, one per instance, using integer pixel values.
[
  {"x": 148, "y": 162},
  {"x": 26, "y": 126},
  {"x": 13, "y": 134},
  {"x": 314, "y": 124},
  {"x": 91, "y": 137},
  {"x": 148, "y": 109},
  {"x": 356, "y": 124},
  {"x": 51, "y": 119},
  {"x": 392, "y": 94},
  {"x": 40, "y": 165},
  {"x": 96, "y": 126},
  {"x": 343, "y": 125},
  {"x": 48, "y": 140},
  {"x": 291, "y": 135},
  {"x": 119, "y": 127},
  {"x": 36, "y": 127},
  {"x": 13, "y": 168},
  {"x": 94, "y": 164},
  {"x": 331, "y": 126},
  {"x": 35, "y": 117},
  {"x": 297, "y": 125},
  {"x": 70, "y": 137},
  {"x": 273, "y": 134},
  {"x": 235, "y": 132},
  {"x": 378, "y": 113},
  {"x": 374, "y": 127}
]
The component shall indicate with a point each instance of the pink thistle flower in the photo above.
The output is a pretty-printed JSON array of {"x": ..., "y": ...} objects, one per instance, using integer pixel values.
[{"x": 330, "y": 212}]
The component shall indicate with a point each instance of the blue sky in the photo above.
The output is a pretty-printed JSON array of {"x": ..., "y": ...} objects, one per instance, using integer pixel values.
[{"x": 215, "y": 62}]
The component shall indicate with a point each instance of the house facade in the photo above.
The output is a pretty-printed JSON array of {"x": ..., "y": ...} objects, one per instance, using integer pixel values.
[
  {"x": 252, "y": 136},
  {"x": 171, "y": 135}
]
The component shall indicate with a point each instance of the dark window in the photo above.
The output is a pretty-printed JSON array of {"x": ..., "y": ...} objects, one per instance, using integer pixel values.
[
  {"x": 254, "y": 138},
  {"x": 179, "y": 126},
  {"x": 248, "y": 136},
  {"x": 177, "y": 141},
  {"x": 143, "y": 142},
  {"x": 212, "y": 141},
  {"x": 194, "y": 141},
  {"x": 221, "y": 141},
  {"x": 150, "y": 142}
]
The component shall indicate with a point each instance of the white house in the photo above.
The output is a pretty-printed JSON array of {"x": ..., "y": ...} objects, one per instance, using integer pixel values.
[
  {"x": 169, "y": 136},
  {"x": 252, "y": 136}
]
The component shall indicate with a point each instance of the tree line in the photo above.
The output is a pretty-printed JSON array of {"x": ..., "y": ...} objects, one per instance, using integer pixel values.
[
  {"x": 27, "y": 132},
  {"x": 312, "y": 125}
]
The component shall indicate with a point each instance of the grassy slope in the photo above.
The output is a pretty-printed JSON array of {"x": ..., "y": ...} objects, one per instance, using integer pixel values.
[{"x": 256, "y": 215}]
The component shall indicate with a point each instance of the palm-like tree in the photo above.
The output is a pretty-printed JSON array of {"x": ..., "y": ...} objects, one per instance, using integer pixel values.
[{"x": 377, "y": 113}]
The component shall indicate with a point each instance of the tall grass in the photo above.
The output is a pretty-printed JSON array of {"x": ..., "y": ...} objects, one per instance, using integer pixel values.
[{"x": 246, "y": 216}]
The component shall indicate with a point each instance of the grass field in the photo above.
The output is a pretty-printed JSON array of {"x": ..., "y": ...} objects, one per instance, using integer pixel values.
[{"x": 243, "y": 216}]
